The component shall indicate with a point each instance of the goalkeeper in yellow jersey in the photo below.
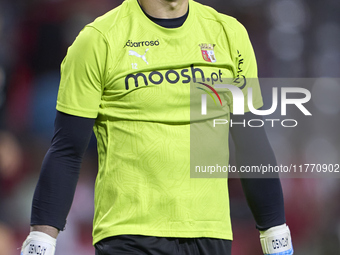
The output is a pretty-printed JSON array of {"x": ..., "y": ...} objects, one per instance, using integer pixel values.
[{"x": 127, "y": 77}]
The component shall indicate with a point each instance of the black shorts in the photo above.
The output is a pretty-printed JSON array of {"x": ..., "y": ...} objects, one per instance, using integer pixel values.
[{"x": 149, "y": 245}]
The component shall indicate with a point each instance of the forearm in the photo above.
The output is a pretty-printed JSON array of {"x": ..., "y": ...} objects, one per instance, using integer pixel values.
[
  {"x": 265, "y": 200},
  {"x": 264, "y": 195},
  {"x": 59, "y": 173},
  {"x": 55, "y": 190}
]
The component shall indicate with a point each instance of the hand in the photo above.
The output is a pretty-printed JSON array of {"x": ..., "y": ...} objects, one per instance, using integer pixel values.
[
  {"x": 277, "y": 240},
  {"x": 38, "y": 243}
]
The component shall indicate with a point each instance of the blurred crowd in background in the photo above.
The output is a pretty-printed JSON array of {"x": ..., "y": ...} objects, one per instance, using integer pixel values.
[{"x": 291, "y": 38}]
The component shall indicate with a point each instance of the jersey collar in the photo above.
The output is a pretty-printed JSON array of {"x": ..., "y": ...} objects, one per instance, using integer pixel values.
[{"x": 167, "y": 32}]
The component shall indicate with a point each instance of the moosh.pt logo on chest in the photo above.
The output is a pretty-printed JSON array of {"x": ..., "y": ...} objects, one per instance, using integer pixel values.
[{"x": 172, "y": 76}]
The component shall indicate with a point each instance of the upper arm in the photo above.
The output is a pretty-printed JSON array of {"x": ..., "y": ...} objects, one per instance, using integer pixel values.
[
  {"x": 250, "y": 140},
  {"x": 72, "y": 135},
  {"x": 83, "y": 75},
  {"x": 246, "y": 76},
  {"x": 252, "y": 147}
]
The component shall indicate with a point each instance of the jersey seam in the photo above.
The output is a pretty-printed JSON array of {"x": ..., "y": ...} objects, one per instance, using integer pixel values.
[
  {"x": 64, "y": 107},
  {"x": 148, "y": 232},
  {"x": 106, "y": 71},
  {"x": 224, "y": 23}
]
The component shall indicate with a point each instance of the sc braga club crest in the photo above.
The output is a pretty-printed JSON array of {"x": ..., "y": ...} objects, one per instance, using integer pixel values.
[{"x": 208, "y": 52}]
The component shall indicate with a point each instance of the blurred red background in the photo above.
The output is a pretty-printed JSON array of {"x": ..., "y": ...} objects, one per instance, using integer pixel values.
[{"x": 291, "y": 38}]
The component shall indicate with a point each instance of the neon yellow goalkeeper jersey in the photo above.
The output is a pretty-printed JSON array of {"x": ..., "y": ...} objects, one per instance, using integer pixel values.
[{"x": 134, "y": 77}]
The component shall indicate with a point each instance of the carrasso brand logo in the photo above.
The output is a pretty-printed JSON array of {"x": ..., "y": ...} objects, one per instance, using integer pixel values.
[
  {"x": 171, "y": 76},
  {"x": 133, "y": 44},
  {"x": 239, "y": 102}
]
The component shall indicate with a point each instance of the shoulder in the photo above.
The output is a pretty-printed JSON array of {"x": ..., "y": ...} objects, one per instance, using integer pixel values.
[
  {"x": 210, "y": 14},
  {"x": 112, "y": 19}
]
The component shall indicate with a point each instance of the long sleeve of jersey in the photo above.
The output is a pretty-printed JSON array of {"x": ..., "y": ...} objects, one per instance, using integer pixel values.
[
  {"x": 60, "y": 170},
  {"x": 264, "y": 195}
]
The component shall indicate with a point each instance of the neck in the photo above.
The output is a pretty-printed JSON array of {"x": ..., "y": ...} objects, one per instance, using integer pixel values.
[{"x": 165, "y": 9}]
